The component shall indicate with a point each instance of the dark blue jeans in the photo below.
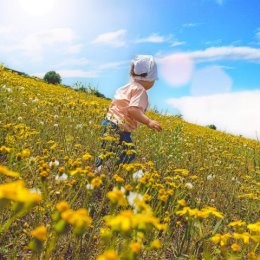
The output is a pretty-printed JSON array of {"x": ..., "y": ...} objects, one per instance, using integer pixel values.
[{"x": 120, "y": 147}]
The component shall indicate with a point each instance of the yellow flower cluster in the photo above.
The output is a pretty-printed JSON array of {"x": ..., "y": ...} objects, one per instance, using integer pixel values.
[
  {"x": 79, "y": 219},
  {"x": 117, "y": 197},
  {"x": 203, "y": 213},
  {"x": 16, "y": 191},
  {"x": 5, "y": 171},
  {"x": 128, "y": 221},
  {"x": 49, "y": 139},
  {"x": 40, "y": 233}
]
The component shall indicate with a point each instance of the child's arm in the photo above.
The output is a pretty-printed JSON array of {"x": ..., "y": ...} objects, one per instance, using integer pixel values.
[{"x": 139, "y": 116}]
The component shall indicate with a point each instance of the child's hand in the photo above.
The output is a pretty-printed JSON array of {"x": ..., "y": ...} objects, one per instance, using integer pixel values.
[{"x": 154, "y": 125}]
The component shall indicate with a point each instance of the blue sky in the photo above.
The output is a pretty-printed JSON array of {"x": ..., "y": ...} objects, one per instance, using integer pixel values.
[{"x": 208, "y": 51}]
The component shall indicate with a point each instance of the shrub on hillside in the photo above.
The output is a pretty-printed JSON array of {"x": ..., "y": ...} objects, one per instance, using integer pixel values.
[
  {"x": 52, "y": 77},
  {"x": 212, "y": 127}
]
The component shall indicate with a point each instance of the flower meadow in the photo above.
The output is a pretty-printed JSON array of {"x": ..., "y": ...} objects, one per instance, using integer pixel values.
[{"x": 192, "y": 192}]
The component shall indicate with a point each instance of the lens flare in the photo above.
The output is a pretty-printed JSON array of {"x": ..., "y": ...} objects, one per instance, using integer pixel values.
[{"x": 176, "y": 69}]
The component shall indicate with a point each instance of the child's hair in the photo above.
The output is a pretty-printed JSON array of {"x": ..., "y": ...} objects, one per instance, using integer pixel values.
[{"x": 132, "y": 73}]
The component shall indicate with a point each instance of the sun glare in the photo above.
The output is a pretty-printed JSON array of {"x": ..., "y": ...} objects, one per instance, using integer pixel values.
[{"x": 37, "y": 7}]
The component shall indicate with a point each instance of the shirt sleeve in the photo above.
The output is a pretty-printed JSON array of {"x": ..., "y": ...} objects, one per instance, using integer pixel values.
[{"x": 139, "y": 99}]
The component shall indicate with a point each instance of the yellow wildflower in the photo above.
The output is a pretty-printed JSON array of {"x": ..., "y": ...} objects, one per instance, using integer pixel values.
[
  {"x": 156, "y": 244},
  {"x": 252, "y": 256},
  {"x": 122, "y": 222},
  {"x": 254, "y": 227},
  {"x": 135, "y": 247},
  {"x": 118, "y": 178},
  {"x": 61, "y": 169},
  {"x": 109, "y": 255},
  {"x": 62, "y": 206},
  {"x": 96, "y": 182},
  {"x": 53, "y": 147},
  {"x": 184, "y": 172},
  {"x": 128, "y": 187},
  {"x": 244, "y": 236},
  {"x": 163, "y": 198},
  {"x": 182, "y": 202},
  {"x": 224, "y": 239},
  {"x": 86, "y": 156},
  {"x": 235, "y": 247},
  {"x": 220, "y": 239},
  {"x": 79, "y": 218},
  {"x": 5, "y": 171},
  {"x": 39, "y": 233},
  {"x": 238, "y": 223},
  {"x": 3, "y": 148},
  {"x": 25, "y": 153},
  {"x": 17, "y": 192},
  {"x": 117, "y": 197},
  {"x": 216, "y": 238}
]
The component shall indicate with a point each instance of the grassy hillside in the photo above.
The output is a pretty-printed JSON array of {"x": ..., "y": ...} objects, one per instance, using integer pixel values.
[{"x": 193, "y": 192}]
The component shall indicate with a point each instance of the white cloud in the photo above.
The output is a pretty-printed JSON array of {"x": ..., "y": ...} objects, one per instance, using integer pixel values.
[
  {"x": 114, "y": 39},
  {"x": 177, "y": 43},
  {"x": 214, "y": 42},
  {"x": 74, "y": 48},
  {"x": 114, "y": 65},
  {"x": 226, "y": 53},
  {"x": 34, "y": 45},
  {"x": 258, "y": 35},
  {"x": 153, "y": 38},
  {"x": 78, "y": 73},
  {"x": 72, "y": 62},
  {"x": 73, "y": 74},
  {"x": 210, "y": 80},
  {"x": 190, "y": 25},
  {"x": 233, "y": 53},
  {"x": 177, "y": 68},
  {"x": 236, "y": 113},
  {"x": 4, "y": 30}
]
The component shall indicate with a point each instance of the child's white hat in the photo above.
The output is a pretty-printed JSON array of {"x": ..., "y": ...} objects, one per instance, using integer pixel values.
[{"x": 145, "y": 64}]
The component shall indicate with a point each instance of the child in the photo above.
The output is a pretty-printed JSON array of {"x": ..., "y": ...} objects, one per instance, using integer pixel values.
[{"x": 127, "y": 109}]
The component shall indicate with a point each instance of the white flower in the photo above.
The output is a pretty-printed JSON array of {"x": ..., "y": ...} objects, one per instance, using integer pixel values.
[
  {"x": 35, "y": 190},
  {"x": 55, "y": 163},
  {"x": 32, "y": 159},
  {"x": 24, "y": 104},
  {"x": 89, "y": 187},
  {"x": 63, "y": 177},
  {"x": 56, "y": 116},
  {"x": 35, "y": 100},
  {"x": 20, "y": 118},
  {"x": 98, "y": 169},
  {"x": 41, "y": 123},
  {"x": 138, "y": 175},
  {"x": 79, "y": 126},
  {"x": 55, "y": 125},
  {"x": 21, "y": 88},
  {"x": 189, "y": 185},
  {"x": 210, "y": 177},
  {"x": 8, "y": 90},
  {"x": 133, "y": 196}
]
